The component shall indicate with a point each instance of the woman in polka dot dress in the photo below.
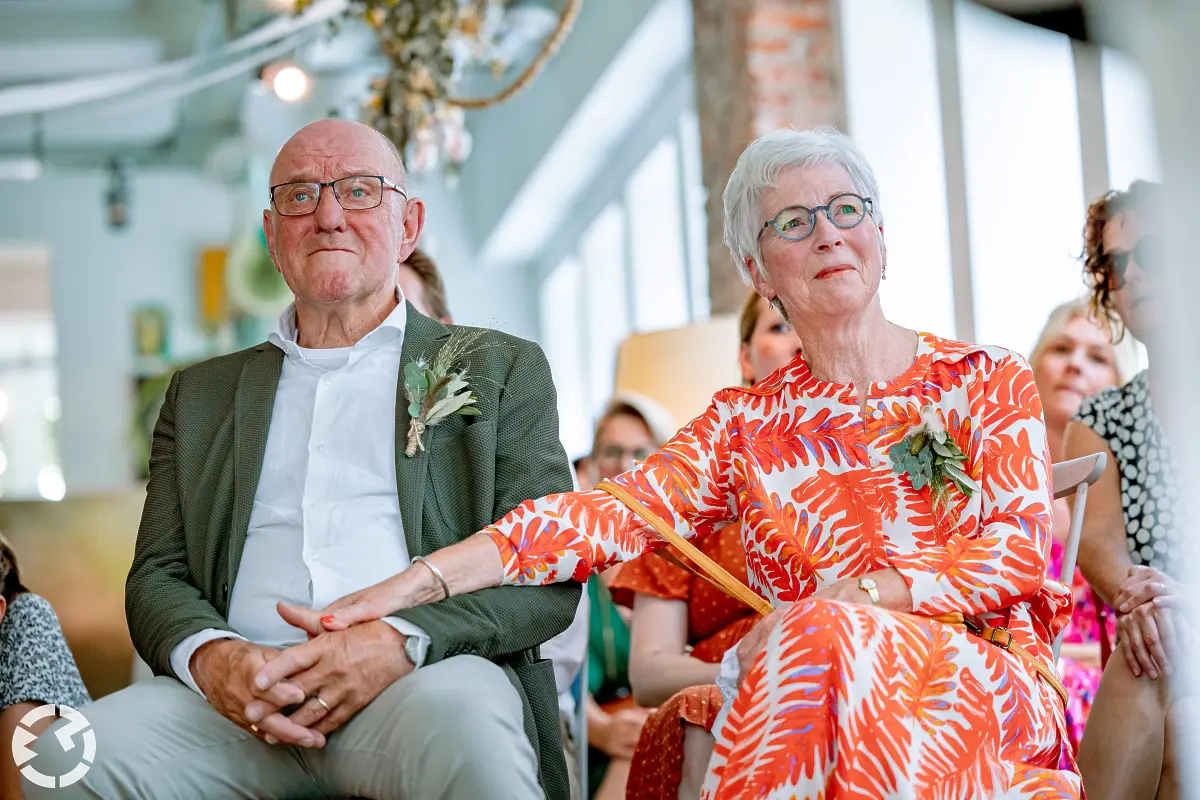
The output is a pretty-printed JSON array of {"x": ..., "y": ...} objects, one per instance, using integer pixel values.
[{"x": 1132, "y": 537}]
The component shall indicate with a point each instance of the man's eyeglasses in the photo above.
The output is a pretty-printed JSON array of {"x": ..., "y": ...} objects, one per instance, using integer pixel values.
[
  {"x": 354, "y": 193},
  {"x": 797, "y": 222},
  {"x": 1145, "y": 253}
]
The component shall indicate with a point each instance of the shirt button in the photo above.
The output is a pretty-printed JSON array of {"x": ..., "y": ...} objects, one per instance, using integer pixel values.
[
  {"x": 320, "y": 448},
  {"x": 329, "y": 381}
]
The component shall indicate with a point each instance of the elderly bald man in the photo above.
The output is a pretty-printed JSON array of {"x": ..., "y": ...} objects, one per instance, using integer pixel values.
[{"x": 278, "y": 475}]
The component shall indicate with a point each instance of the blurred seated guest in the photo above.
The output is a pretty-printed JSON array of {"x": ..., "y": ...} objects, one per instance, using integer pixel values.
[
  {"x": 36, "y": 666},
  {"x": 628, "y": 431},
  {"x": 894, "y": 497},
  {"x": 421, "y": 282},
  {"x": 289, "y": 473},
  {"x": 682, "y": 625},
  {"x": 1131, "y": 549},
  {"x": 1074, "y": 359}
]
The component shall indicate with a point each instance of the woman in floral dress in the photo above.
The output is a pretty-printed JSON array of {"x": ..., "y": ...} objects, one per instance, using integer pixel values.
[
  {"x": 873, "y": 546},
  {"x": 682, "y": 625}
]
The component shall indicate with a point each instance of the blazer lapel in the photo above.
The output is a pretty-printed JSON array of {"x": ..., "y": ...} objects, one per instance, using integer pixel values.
[
  {"x": 253, "y": 405},
  {"x": 422, "y": 338}
]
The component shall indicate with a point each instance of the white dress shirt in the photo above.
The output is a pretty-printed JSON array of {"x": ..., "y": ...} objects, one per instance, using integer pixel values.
[{"x": 326, "y": 515}]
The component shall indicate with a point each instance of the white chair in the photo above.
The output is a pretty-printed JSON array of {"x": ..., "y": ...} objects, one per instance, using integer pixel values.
[{"x": 1073, "y": 478}]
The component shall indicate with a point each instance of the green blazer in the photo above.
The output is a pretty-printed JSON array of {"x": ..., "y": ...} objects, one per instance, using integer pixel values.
[{"x": 205, "y": 463}]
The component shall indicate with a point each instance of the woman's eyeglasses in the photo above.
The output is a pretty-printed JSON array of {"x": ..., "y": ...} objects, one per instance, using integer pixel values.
[
  {"x": 797, "y": 222},
  {"x": 1145, "y": 253}
]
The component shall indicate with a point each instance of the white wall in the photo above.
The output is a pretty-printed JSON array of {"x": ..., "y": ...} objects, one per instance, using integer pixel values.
[{"x": 98, "y": 276}]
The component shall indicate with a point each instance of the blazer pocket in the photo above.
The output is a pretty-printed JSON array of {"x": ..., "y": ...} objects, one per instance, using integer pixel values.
[{"x": 462, "y": 476}]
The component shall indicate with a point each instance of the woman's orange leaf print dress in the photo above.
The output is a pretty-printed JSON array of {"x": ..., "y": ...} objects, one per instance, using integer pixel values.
[{"x": 850, "y": 700}]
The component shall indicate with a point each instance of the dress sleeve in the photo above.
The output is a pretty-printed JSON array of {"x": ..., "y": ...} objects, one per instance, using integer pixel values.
[
  {"x": 570, "y": 535},
  {"x": 36, "y": 666},
  {"x": 1002, "y": 561}
]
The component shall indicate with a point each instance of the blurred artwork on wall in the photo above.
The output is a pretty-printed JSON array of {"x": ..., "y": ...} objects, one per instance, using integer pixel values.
[{"x": 150, "y": 331}]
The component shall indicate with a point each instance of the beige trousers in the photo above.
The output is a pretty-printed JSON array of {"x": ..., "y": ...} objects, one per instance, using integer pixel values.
[{"x": 449, "y": 730}]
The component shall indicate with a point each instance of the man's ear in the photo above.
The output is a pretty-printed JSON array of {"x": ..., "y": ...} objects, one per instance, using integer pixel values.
[
  {"x": 414, "y": 223},
  {"x": 270, "y": 238}
]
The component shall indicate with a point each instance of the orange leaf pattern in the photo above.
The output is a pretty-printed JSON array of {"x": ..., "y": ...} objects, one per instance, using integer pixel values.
[{"x": 847, "y": 700}]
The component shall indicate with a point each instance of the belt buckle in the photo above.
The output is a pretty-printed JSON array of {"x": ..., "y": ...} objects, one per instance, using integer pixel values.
[{"x": 1006, "y": 640}]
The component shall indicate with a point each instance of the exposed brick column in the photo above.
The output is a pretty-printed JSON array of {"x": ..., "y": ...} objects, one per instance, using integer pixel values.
[{"x": 760, "y": 65}]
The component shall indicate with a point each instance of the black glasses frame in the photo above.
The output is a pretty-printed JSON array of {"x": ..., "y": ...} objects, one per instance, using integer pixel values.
[
  {"x": 774, "y": 221},
  {"x": 382, "y": 180},
  {"x": 1118, "y": 261}
]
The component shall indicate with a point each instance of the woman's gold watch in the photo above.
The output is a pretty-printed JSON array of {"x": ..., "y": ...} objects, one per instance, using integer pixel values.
[{"x": 868, "y": 586}]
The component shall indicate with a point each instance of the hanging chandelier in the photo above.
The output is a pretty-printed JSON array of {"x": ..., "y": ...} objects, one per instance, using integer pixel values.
[{"x": 436, "y": 49}]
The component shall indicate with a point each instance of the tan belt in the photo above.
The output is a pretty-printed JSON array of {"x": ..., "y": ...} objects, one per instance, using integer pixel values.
[{"x": 710, "y": 571}]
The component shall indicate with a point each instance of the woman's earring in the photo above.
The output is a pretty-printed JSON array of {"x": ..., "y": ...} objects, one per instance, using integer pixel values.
[{"x": 883, "y": 276}]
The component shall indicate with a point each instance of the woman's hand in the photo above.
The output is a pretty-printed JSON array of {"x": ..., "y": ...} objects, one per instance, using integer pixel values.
[
  {"x": 1145, "y": 627},
  {"x": 1143, "y": 584},
  {"x": 846, "y": 591},
  {"x": 618, "y": 734},
  {"x": 1146, "y": 635},
  {"x": 753, "y": 642},
  {"x": 374, "y": 602}
]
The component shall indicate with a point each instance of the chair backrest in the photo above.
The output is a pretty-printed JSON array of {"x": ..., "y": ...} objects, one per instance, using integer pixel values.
[{"x": 1073, "y": 478}]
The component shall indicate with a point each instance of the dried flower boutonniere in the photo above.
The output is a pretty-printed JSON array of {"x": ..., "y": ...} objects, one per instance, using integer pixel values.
[
  {"x": 930, "y": 457},
  {"x": 435, "y": 391}
]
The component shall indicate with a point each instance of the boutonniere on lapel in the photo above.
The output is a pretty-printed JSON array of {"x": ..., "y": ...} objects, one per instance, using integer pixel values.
[
  {"x": 930, "y": 457},
  {"x": 436, "y": 390}
]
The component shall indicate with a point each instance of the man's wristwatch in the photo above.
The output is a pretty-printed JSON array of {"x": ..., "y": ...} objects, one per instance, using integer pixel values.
[
  {"x": 413, "y": 649},
  {"x": 868, "y": 586}
]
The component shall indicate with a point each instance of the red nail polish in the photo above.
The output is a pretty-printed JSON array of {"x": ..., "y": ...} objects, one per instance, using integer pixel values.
[{"x": 327, "y": 619}]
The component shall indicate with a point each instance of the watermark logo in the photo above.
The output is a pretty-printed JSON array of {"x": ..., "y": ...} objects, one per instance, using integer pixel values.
[{"x": 76, "y": 724}]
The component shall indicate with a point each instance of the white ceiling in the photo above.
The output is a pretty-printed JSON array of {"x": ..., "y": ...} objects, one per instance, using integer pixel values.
[{"x": 55, "y": 40}]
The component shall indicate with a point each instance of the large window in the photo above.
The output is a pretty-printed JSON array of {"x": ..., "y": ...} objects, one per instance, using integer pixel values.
[
  {"x": 639, "y": 265},
  {"x": 1024, "y": 173},
  {"x": 1128, "y": 122},
  {"x": 895, "y": 118},
  {"x": 29, "y": 403},
  {"x": 563, "y": 336},
  {"x": 1017, "y": 100}
]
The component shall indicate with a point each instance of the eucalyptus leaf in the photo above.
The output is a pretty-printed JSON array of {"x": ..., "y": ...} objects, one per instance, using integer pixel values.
[
  {"x": 470, "y": 411},
  {"x": 956, "y": 473},
  {"x": 941, "y": 449},
  {"x": 919, "y": 481},
  {"x": 414, "y": 409},
  {"x": 444, "y": 408}
]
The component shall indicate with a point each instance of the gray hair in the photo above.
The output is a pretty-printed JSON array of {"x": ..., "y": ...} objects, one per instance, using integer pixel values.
[{"x": 761, "y": 164}]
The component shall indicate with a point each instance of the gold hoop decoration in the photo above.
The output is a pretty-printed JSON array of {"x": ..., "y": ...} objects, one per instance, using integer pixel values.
[{"x": 565, "y": 22}]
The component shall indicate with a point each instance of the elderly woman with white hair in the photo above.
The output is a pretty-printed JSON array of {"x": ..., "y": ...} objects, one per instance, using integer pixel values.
[{"x": 894, "y": 498}]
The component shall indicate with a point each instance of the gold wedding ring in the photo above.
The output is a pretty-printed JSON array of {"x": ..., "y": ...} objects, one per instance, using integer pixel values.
[
  {"x": 253, "y": 728},
  {"x": 324, "y": 705}
]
